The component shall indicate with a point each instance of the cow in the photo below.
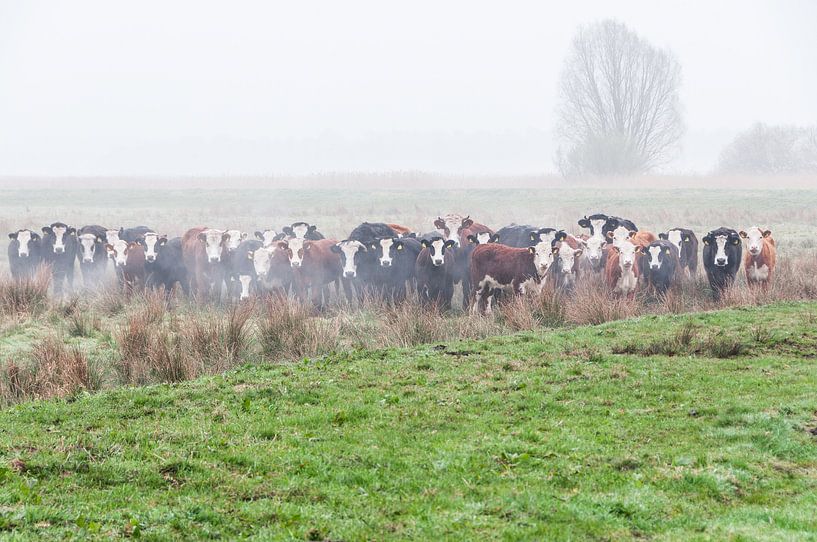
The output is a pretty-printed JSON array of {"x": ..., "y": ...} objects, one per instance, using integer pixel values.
[
  {"x": 169, "y": 267},
  {"x": 622, "y": 270},
  {"x": 242, "y": 270},
  {"x": 273, "y": 271},
  {"x": 401, "y": 231},
  {"x": 92, "y": 255},
  {"x": 151, "y": 242},
  {"x": 457, "y": 228},
  {"x": 130, "y": 257},
  {"x": 315, "y": 266},
  {"x": 203, "y": 253},
  {"x": 661, "y": 266},
  {"x": 686, "y": 244},
  {"x": 599, "y": 224},
  {"x": 59, "y": 249},
  {"x": 396, "y": 258},
  {"x": 267, "y": 237},
  {"x": 522, "y": 236},
  {"x": 721, "y": 256},
  {"x": 302, "y": 230},
  {"x": 434, "y": 271},
  {"x": 132, "y": 235},
  {"x": 596, "y": 250},
  {"x": 761, "y": 256},
  {"x": 567, "y": 257},
  {"x": 359, "y": 263},
  {"x": 496, "y": 267},
  {"x": 25, "y": 254},
  {"x": 233, "y": 238},
  {"x": 621, "y": 234}
]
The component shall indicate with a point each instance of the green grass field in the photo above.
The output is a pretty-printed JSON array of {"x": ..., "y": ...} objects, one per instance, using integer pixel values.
[{"x": 686, "y": 427}]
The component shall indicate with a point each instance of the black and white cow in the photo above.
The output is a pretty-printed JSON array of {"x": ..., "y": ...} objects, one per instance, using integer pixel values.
[
  {"x": 660, "y": 265},
  {"x": 273, "y": 270},
  {"x": 242, "y": 271},
  {"x": 600, "y": 224},
  {"x": 234, "y": 238},
  {"x": 686, "y": 244},
  {"x": 268, "y": 237},
  {"x": 358, "y": 260},
  {"x": 396, "y": 258},
  {"x": 59, "y": 249},
  {"x": 169, "y": 268},
  {"x": 521, "y": 235},
  {"x": 435, "y": 270},
  {"x": 133, "y": 235},
  {"x": 92, "y": 254},
  {"x": 722, "y": 254},
  {"x": 302, "y": 230},
  {"x": 25, "y": 253}
]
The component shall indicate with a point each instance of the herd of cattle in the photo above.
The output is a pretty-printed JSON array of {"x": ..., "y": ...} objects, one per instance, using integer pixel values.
[{"x": 391, "y": 260}]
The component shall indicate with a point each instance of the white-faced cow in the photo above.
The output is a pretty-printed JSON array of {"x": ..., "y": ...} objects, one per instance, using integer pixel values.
[
  {"x": 721, "y": 256},
  {"x": 434, "y": 271},
  {"x": 315, "y": 265},
  {"x": 93, "y": 258},
  {"x": 272, "y": 269},
  {"x": 661, "y": 266},
  {"x": 130, "y": 257},
  {"x": 24, "y": 253},
  {"x": 302, "y": 230},
  {"x": 397, "y": 258},
  {"x": 623, "y": 268},
  {"x": 566, "y": 268},
  {"x": 169, "y": 268},
  {"x": 761, "y": 256},
  {"x": 59, "y": 249},
  {"x": 686, "y": 245}
]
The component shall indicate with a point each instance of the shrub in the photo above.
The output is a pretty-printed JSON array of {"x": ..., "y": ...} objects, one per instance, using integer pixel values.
[{"x": 27, "y": 296}]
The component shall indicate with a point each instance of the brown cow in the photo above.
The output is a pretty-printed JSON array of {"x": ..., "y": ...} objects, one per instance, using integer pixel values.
[
  {"x": 567, "y": 252},
  {"x": 204, "y": 253},
  {"x": 315, "y": 265},
  {"x": 760, "y": 258},
  {"x": 130, "y": 259},
  {"x": 622, "y": 270},
  {"x": 496, "y": 267},
  {"x": 401, "y": 231}
]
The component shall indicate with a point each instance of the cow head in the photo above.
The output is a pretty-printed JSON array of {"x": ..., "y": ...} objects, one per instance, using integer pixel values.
[
  {"x": 567, "y": 259},
  {"x": 437, "y": 247},
  {"x": 111, "y": 237},
  {"x": 657, "y": 254},
  {"x": 722, "y": 241},
  {"x": 594, "y": 250},
  {"x": 387, "y": 250},
  {"x": 299, "y": 230},
  {"x": 754, "y": 237},
  {"x": 297, "y": 247},
  {"x": 594, "y": 223},
  {"x": 677, "y": 238},
  {"x": 26, "y": 239},
  {"x": 483, "y": 238},
  {"x": 451, "y": 225},
  {"x": 543, "y": 256},
  {"x": 233, "y": 238},
  {"x": 214, "y": 241},
  {"x": 245, "y": 281},
  {"x": 619, "y": 235},
  {"x": 152, "y": 242},
  {"x": 351, "y": 252},
  {"x": 61, "y": 233},
  {"x": 262, "y": 257},
  {"x": 627, "y": 254},
  {"x": 267, "y": 237},
  {"x": 87, "y": 246},
  {"x": 119, "y": 252}
]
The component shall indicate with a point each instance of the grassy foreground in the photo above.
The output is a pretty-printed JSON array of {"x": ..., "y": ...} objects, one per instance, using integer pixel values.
[{"x": 687, "y": 427}]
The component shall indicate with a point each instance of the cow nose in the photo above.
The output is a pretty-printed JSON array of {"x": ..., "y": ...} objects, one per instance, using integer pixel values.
[
  {"x": 296, "y": 264},
  {"x": 385, "y": 264},
  {"x": 86, "y": 259},
  {"x": 59, "y": 250},
  {"x": 214, "y": 259},
  {"x": 150, "y": 258},
  {"x": 24, "y": 254},
  {"x": 720, "y": 261},
  {"x": 438, "y": 262},
  {"x": 349, "y": 274},
  {"x": 653, "y": 266}
]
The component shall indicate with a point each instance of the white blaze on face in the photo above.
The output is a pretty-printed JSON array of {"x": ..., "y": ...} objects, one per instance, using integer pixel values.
[
  {"x": 385, "y": 252},
  {"x": 234, "y": 238},
  {"x": 721, "y": 258},
  {"x": 299, "y": 231},
  {"x": 620, "y": 235},
  {"x": 262, "y": 260},
  {"x": 654, "y": 253},
  {"x": 567, "y": 259},
  {"x": 212, "y": 245},
  {"x": 59, "y": 239},
  {"x": 597, "y": 225},
  {"x": 483, "y": 238},
  {"x": 23, "y": 237},
  {"x": 349, "y": 249},
  {"x": 111, "y": 237},
  {"x": 452, "y": 226},
  {"x": 120, "y": 249},
  {"x": 268, "y": 238},
  {"x": 245, "y": 281},
  {"x": 435, "y": 250},
  {"x": 150, "y": 246},
  {"x": 754, "y": 240},
  {"x": 626, "y": 255},
  {"x": 676, "y": 237},
  {"x": 87, "y": 244},
  {"x": 296, "y": 252},
  {"x": 595, "y": 247},
  {"x": 543, "y": 257}
]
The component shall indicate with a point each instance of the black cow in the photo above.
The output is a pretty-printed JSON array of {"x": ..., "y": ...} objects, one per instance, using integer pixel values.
[
  {"x": 518, "y": 235},
  {"x": 660, "y": 266},
  {"x": 301, "y": 230},
  {"x": 722, "y": 256},
  {"x": 242, "y": 271},
  {"x": 59, "y": 249},
  {"x": 686, "y": 244},
  {"x": 396, "y": 258},
  {"x": 169, "y": 268},
  {"x": 435, "y": 270},
  {"x": 133, "y": 235},
  {"x": 605, "y": 223},
  {"x": 25, "y": 253},
  {"x": 92, "y": 255}
]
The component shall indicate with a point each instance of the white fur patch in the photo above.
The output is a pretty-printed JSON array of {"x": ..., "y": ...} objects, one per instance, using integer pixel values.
[
  {"x": 120, "y": 249},
  {"x": 59, "y": 238},
  {"x": 296, "y": 251},
  {"x": 754, "y": 240},
  {"x": 245, "y": 281},
  {"x": 676, "y": 237},
  {"x": 150, "y": 246},
  {"x": 720, "y": 253},
  {"x": 213, "y": 240},
  {"x": 654, "y": 253},
  {"x": 349, "y": 249},
  {"x": 595, "y": 248},
  {"x": 384, "y": 250},
  {"x": 268, "y": 237},
  {"x": 435, "y": 250},
  {"x": 759, "y": 273},
  {"x": 300, "y": 231},
  {"x": 597, "y": 226},
  {"x": 543, "y": 258},
  {"x": 87, "y": 245},
  {"x": 234, "y": 238},
  {"x": 23, "y": 237},
  {"x": 262, "y": 260}
]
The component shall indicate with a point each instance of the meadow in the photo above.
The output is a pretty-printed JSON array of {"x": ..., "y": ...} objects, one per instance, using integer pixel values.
[{"x": 564, "y": 416}]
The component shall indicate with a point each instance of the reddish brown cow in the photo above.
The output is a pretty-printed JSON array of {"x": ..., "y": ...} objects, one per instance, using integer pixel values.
[
  {"x": 639, "y": 238},
  {"x": 315, "y": 266},
  {"x": 199, "y": 269},
  {"x": 622, "y": 272},
  {"x": 129, "y": 258},
  {"x": 760, "y": 258}
]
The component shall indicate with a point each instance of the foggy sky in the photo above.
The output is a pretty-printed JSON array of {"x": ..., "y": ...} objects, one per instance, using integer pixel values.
[{"x": 104, "y": 87}]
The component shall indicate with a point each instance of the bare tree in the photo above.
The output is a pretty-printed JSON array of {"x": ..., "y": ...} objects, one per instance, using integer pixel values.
[
  {"x": 619, "y": 111},
  {"x": 766, "y": 149}
]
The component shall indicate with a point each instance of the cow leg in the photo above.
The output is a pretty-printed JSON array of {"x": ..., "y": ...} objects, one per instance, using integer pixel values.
[
  {"x": 466, "y": 287},
  {"x": 347, "y": 288}
]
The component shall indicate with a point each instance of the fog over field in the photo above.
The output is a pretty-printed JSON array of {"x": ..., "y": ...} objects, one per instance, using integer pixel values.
[{"x": 459, "y": 87}]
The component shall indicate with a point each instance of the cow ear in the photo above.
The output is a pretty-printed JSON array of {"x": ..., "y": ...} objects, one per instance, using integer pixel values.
[
  {"x": 424, "y": 243},
  {"x": 736, "y": 241},
  {"x": 109, "y": 246},
  {"x": 767, "y": 233},
  {"x": 555, "y": 250},
  {"x": 35, "y": 236},
  {"x": 467, "y": 222},
  {"x": 46, "y": 230},
  {"x": 225, "y": 236},
  {"x": 450, "y": 244},
  {"x": 533, "y": 236},
  {"x": 72, "y": 231},
  {"x": 439, "y": 223},
  {"x": 743, "y": 234},
  {"x": 244, "y": 235},
  {"x": 250, "y": 254},
  {"x": 473, "y": 239},
  {"x": 631, "y": 234},
  {"x": 13, "y": 235},
  {"x": 532, "y": 250},
  {"x": 686, "y": 238},
  {"x": 163, "y": 239},
  {"x": 584, "y": 223},
  {"x": 259, "y": 235},
  {"x": 610, "y": 234},
  {"x": 664, "y": 236},
  {"x": 133, "y": 245},
  {"x": 561, "y": 235},
  {"x": 335, "y": 249},
  {"x": 312, "y": 229},
  {"x": 494, "y": 238},
  {"x": 374, "y": 246}
]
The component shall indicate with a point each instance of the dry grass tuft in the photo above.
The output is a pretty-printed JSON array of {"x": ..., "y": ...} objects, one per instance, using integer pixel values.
[
  {"x": 286, "y": 329},
  {"x": 27, "y": 296}
]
